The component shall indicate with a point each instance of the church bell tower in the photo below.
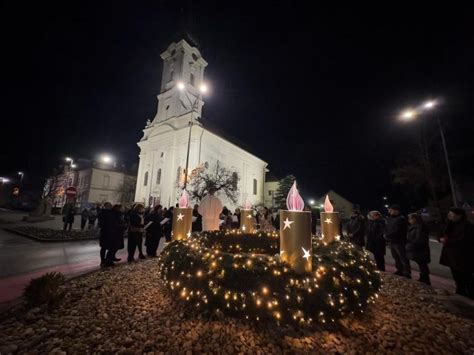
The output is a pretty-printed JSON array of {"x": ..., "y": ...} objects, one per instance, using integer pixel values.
[{"x": 183, "y": 74}]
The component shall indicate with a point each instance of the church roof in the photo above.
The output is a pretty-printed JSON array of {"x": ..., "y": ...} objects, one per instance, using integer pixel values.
[{"x": 211, "y": 127}]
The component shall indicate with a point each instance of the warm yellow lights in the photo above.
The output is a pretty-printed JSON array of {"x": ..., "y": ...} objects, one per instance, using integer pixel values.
[{"x": 344, "y": 278}]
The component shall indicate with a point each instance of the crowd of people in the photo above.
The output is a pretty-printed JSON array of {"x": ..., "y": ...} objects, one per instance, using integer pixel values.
[
  {"x": 406, "y": 238},
  {"x": 409, "y": 238}
]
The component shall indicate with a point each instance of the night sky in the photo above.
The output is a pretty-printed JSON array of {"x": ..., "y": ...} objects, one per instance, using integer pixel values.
[{"x": 314, "y": 92}]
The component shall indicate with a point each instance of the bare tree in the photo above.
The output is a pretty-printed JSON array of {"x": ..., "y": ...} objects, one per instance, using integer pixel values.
[
  {"x": 218, "y": 179},
  {"x": 125, "y": 193}
]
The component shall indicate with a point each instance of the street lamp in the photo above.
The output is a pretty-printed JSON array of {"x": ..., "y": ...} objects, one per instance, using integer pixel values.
[
  {"x": 429, "y": 106},
  {"x": 107, "y": 159},
  {"x": 21, "y": 173},
  {"x": 311, "y": 202},
  {"x": 194, "y": 107}
]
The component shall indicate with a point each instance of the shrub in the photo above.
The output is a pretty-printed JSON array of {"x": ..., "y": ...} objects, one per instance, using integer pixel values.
[{"x": 45, "y": 289}]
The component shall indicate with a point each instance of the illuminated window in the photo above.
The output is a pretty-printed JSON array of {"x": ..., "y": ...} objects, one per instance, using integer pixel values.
[
  {"x": 254, "y": 186},
  {"x": 145, "y": 179}
]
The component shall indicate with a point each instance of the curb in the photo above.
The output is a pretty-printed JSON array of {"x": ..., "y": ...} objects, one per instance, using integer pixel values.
[
  {"x": 10, "y": 305},
  {"x": 54, "y": 240}
]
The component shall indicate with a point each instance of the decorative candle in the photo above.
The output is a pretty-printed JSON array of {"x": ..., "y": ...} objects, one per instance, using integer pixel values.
[
  {"x": 330, "y": 224},
  {"x": 295, "y": 233},
  {"x": 247, "y": 223},
  {"x": 182, "y": 218}
]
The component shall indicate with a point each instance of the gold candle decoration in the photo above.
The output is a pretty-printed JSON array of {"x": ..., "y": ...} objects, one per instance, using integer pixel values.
[
  {"x": 182, "y": 218},
  {"x": 330, "y": 223},
  {"x": 247, "y": 223},
  {"x": 295, "y": 233}
]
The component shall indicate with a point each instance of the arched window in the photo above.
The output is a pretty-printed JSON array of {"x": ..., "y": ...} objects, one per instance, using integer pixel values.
[
  {"x": 254, "y": 186},
  {"x": 145, "y": 179},
  {"x": 158, "y": 177},
  {"x": 191, "y": 79},
  {"x": 171, "y": 74}
]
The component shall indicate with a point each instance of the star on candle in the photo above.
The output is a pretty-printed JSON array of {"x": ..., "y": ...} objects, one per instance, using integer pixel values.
[
  {"x": 189, "y": 234},
  {"x": 249, "y": 216},
  {"x": 281, "y": 252},
  {"x": 328, "y": 220},
  {"x": 306, "y": 254},
  {"x": 243, "y": 228},
  {"x": 337, "y": 237},
  {"x": 180, "y": 216},
  {"x": 287, "y": 223}
]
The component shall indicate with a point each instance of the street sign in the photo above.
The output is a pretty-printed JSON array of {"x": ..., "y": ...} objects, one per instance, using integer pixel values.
[{"x": 71, "y": 191}]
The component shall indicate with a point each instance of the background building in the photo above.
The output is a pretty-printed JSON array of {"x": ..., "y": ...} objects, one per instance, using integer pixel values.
[
  {"x": 271, "y": 185},
  {"x": 95, "y": 182},
  {"x": 163, "y": 148}
]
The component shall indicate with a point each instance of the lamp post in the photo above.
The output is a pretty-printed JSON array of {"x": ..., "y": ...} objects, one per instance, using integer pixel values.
[
  {"x": 21, "y": 173},
  {"x": 194, "y": 107},
  {"x": 411, "y": 114}
]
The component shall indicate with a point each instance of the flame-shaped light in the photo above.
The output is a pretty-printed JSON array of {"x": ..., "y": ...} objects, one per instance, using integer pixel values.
[
  {"x": 294, "y": 201},
  {"x": 247, "y": 205},
  {"x": 328, "y": 205},
  {"x": 184, "y": 200}
]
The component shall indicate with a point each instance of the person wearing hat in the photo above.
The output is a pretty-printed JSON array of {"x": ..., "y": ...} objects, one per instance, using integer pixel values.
[
  {"x": 458, "y": 250},
  {"x": 396, "y": 235}
]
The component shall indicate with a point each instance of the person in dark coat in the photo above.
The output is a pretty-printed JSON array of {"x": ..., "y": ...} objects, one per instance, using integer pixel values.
[
  {"x": 458, "y": 250},
  {"x": 167, "y": 227},
  {"x": 114, "y": 235},
  {"x": 197, "y": 220},
  {"x": 135, "y": 232},
  {"x": 68, "y": 215},
  {"x": 418, "y": 246},
  {"x": 356, "y": 229},
  {"x": 106, "y": 231},
  {"x": 396, "y": 236},
  {"x": 84, "y": 218},
  {"x": 154, "y": 232},
  {"x": 375, "y": 240}
]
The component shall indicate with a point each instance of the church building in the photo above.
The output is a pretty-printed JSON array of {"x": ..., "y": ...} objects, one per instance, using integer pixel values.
[{"x": 164, "y": 145}]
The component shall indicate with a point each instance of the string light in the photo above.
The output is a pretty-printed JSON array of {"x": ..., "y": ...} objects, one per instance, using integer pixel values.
[{"x": 224, "y": 270}]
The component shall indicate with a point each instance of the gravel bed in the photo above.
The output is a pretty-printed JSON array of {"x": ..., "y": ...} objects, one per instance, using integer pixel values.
[
  {"x": 127, "y": 310},
  {"x": 53, "y": 235}
]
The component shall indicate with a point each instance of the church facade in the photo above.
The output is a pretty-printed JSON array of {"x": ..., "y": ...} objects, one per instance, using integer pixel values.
[{"x": 164, "y": 145}]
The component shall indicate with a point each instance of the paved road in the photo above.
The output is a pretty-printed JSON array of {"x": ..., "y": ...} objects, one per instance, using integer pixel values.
[{"x": 22, "y": 258}]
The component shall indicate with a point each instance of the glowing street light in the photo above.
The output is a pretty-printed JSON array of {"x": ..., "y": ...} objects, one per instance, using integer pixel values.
[
  {"x": 428, "y": 105},
  {"x": 203, "y": 88},
  {"x": 181, "y": 86},
  {"x": 73, "y": 166},
  {"x": 68, "y": 159},
  {"x": 408, "y": 115},
  {"x": 311, "y": 202},
  {"x": 21, "y": 173},
  {"x": 194, "y": 107},
  {"x": 4, "y": 180},
  {"x": 106, "y": 159}
]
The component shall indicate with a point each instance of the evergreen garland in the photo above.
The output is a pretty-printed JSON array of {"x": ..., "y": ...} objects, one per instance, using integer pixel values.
[{"x": 238, "y": 274}]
